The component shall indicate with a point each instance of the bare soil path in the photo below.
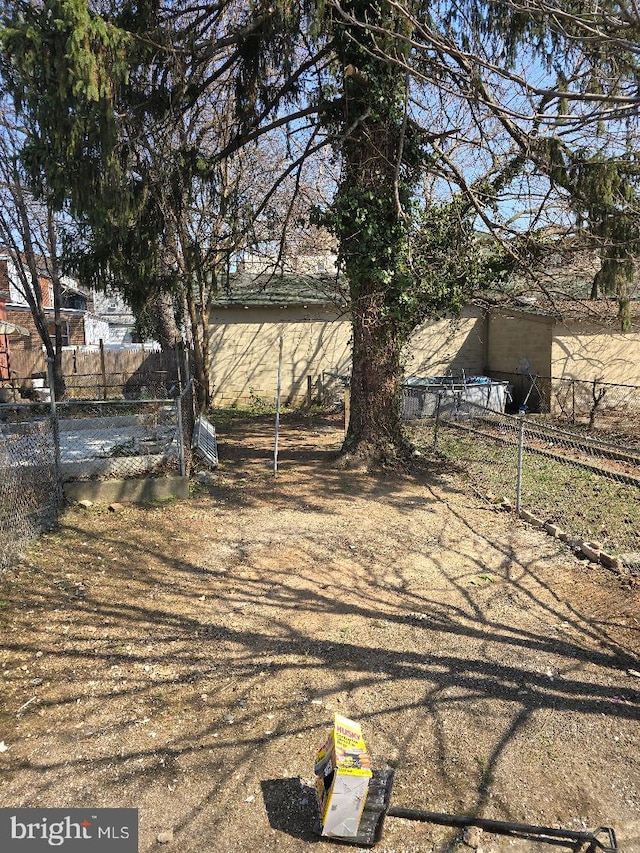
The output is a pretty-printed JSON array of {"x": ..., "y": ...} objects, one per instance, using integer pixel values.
[{"x": 186, "y": 659}]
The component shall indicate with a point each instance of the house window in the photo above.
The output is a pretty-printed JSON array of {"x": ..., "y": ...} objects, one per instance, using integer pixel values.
[
  {"x": 75, "y": 301},
  {"x": 64, "y": 325}
]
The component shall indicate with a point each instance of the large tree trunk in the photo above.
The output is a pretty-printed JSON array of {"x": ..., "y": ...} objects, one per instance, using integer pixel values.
[
  {"x": 167, "y": 333},
  {"x": 201, "y": 368},
  {"x": 375, "y": 430},
  {"x": 59, "y": 382},
  {"x": 369, "y": 217},
  {"x": 201, "y": 361},
  {"x": 164, "y": 318}
]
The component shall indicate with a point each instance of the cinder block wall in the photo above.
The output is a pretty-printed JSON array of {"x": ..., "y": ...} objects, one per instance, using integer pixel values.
[
  {"x": 317, "y": 343},
  {"x": 514, "y": 337},
  {"x": 587, "y": 352},
  {"x": 457, "y": 345},
  {"x": 245, "y": 348},
  {"x": 591, "y": 354}
]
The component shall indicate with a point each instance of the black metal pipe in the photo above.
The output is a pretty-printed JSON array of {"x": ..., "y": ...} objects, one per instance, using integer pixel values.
[{"x": 504, "y": 827}]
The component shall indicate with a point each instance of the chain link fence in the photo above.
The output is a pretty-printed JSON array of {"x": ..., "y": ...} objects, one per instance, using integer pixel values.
[
  {"x": 584, "y": 485},
  {"x": 30, "y": 486},
  {"x": 44, "y": 445},
  {"x": 152, "y": 384},
  {"x": 118, "y": 439},
  {"x": 609, "y": 411}
]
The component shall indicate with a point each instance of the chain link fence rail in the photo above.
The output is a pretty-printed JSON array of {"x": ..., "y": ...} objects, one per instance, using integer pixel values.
[
  {"x": 149, "y": 385},
  {"x": 585, "y": 485}
]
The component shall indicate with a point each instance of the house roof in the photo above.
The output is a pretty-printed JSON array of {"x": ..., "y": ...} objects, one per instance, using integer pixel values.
[
  {"x": 265, "y": 290},
  {"x": 69, "y": 286},
  {"x": 245, "y": 289},
  {"x": 41, "y": 263},
  {"x": 600, "y": 312}
]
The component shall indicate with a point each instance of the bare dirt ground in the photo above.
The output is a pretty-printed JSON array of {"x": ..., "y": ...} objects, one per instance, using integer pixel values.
[{"x": 187, "y": 658}]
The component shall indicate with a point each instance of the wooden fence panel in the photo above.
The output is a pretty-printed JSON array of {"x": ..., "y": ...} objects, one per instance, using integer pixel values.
[
  {"x": 24, "y": 363},
  {"x": 93, "y": 374}
]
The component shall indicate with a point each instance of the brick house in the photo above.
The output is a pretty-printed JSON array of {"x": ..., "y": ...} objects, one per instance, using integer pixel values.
[
  {"x": 22, "y": 356},
  {"x": 4, "y": 345}
]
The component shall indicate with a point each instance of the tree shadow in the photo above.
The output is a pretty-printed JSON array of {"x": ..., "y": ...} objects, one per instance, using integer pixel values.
[{"x": 251, "y": 623}]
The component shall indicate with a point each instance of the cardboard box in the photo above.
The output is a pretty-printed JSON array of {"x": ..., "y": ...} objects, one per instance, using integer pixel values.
[{"x": 343, "y": 771}]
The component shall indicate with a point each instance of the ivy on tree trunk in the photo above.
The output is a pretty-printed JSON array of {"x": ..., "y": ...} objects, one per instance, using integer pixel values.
[{"x": 381, "y": 157}]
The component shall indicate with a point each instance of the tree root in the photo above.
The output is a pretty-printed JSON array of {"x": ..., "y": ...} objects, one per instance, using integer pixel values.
[{"x": 374, "y": 455}]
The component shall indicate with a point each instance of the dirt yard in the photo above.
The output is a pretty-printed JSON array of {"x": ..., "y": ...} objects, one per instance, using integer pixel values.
[{"x": 187, "y": 658}]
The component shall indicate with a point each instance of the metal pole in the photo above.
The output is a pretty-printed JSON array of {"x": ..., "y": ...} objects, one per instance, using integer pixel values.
[
  {"x": 347, "y": 408},
  {"x": 183, "y": 469},
  {"x": 503, "y": 827},
  {"x": 278, "y": 394},
  {"x": 437, "y": 423},
  {"x": 54, "y": 425},
  {"x": 187, "y": 366},
  {"x": 103, "y": 370},
  {"x": 520, "y": 454},
  {"x": 178, "y": 366}
]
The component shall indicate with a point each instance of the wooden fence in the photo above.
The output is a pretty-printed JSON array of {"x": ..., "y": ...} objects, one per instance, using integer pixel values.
[{"x": 103, "y": 373}]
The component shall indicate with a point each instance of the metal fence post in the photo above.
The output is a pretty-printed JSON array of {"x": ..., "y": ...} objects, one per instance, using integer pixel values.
[
  {"x": 278, "y": 396},
  {"x": 103, "y": 370},
  {"x": 437, "y": 423},
  {"x": 178, "y": 366},
  {"x": 187, "y": 366},
  {"x": 55, "y": 426},
  {"x": 521, "y": 414},
  {"x": 181, "y": 456}
]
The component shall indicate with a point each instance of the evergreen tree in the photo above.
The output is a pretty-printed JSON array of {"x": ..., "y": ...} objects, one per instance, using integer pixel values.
[{"x": 398, "y": 89}]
